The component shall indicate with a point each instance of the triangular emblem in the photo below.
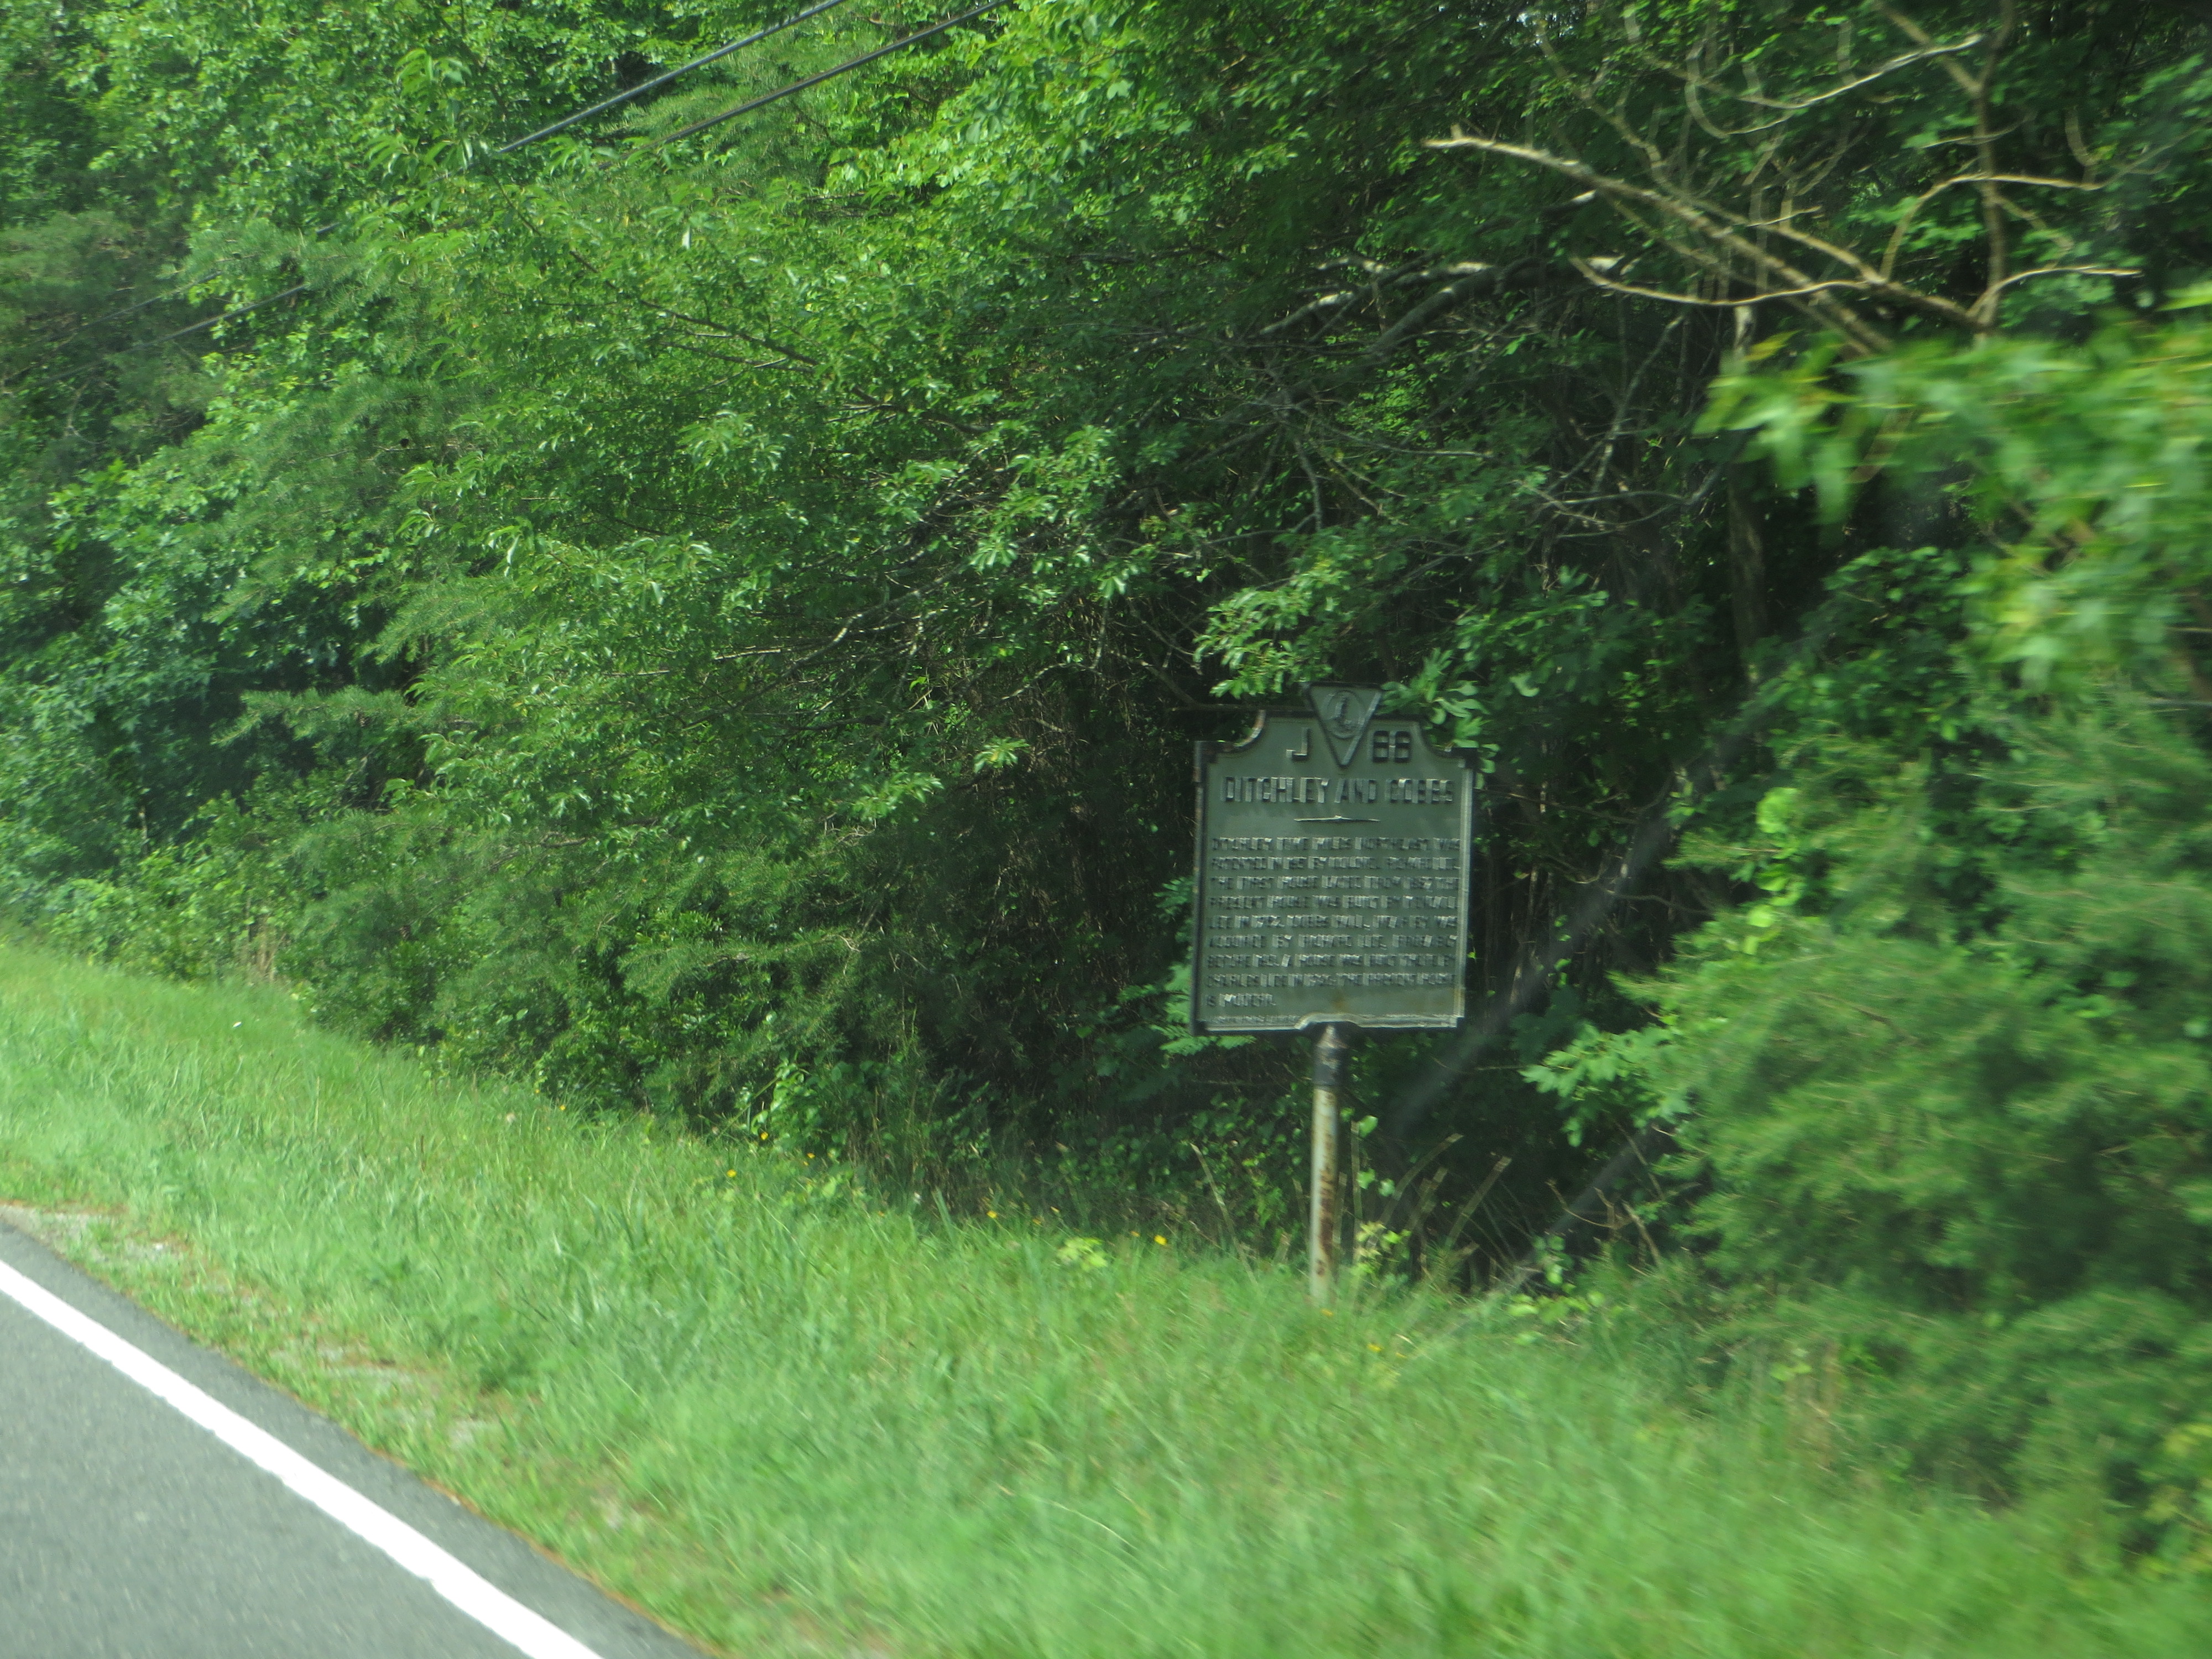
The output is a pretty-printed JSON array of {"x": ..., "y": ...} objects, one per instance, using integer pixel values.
[{"x": 1345, "y": 711}]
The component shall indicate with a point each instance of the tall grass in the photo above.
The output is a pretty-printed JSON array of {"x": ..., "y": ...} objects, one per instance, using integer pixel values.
[{"x": 788, "y": 1417}]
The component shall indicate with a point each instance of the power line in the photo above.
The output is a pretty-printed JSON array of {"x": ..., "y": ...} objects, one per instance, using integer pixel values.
[
  {"x": 745, "y": 108},
  {"x": 566, "y": 121},
  {"x": 162, "y": 339},
  {"x": 827, "y": 74},
  {"x": 166, "y": 295},
  {"x": 209, "y": 322},
  {"x": 54, "y": 348},
  {"x": 110, "y": 316}
]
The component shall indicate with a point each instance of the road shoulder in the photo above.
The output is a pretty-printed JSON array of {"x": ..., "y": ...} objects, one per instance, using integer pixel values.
[{"x": 613, "y": 1629}]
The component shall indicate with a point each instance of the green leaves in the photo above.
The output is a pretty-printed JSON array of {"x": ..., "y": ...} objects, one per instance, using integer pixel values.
[
  {"x": 2084, "y": 467},
  {"x": 1952, "y": 1109}
]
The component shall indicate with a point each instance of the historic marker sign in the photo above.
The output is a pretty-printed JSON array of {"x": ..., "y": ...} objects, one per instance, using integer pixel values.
[{"x": 1332, "y": 872}]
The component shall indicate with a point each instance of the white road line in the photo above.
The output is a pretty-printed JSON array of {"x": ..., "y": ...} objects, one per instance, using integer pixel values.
[{"x": 497, "y": 1611}]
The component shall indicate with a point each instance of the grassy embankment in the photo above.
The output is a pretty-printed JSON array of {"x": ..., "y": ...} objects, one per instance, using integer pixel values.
[{"x": 786, "y": 1420}]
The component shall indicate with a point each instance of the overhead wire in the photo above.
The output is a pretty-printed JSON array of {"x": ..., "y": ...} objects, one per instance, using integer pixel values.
[
  {"x": 643, "y": 86},
  {"x": 752, "y": 105},
  {"x": 568, "y": 121},
  {"x": 173, "y": 292},
  {"x": 561, "y": 125},
  {"x": 209, "y": 322},
  {"x": 54, "y": 348}
]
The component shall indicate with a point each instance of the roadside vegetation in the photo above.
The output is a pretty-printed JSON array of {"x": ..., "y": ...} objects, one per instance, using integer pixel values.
[
  {"x": 788, "y": 1412},
  {"x": 706, "y": 629}
]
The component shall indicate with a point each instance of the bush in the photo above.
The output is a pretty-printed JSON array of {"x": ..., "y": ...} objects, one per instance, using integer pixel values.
[{"x": 1952, "y": 1084}]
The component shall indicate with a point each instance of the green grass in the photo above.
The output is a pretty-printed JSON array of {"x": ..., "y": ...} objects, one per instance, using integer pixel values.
[{"x": 788, "y": 1420}]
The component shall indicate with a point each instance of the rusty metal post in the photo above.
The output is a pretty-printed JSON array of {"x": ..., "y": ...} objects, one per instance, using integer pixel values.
[{"x": 1330, "y": 1047}]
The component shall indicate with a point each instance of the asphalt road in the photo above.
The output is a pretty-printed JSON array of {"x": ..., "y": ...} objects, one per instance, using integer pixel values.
[{"x": 130, "y": 1531}]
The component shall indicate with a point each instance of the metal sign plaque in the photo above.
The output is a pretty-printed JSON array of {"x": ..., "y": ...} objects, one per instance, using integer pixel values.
[{"x": 1332, "y": 872}]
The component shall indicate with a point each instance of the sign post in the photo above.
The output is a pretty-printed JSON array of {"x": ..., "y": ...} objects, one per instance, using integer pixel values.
[
  {"x": 1324, "y": 1225},
  {"x": 1332, "y": 893}
]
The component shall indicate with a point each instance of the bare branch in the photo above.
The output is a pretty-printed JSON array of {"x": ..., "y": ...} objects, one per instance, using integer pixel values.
[
  {"x": 1589, "y": 270},
  {"x": 1987, "y": 303},
  {"x": 1326, "y": 303},
  {"x": 1912, "y": 207},
  {"x": 1478, "y": 279},
  {"x": 1723, "y": 229},
  {"x": 1695, "y": 83}
]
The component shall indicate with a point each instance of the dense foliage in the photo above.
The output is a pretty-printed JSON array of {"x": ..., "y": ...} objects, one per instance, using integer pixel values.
[{"x": 714, "y": 624}]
